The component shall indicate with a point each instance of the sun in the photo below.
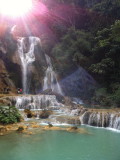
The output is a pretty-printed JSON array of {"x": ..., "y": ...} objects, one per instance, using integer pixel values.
[{"x": 15, "y": 8}]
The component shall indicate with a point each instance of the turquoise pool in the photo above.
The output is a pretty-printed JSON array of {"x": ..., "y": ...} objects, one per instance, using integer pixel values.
[{"x": 101, "y": 144}]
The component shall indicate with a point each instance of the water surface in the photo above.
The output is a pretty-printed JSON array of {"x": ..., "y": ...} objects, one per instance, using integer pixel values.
[{"x": 101, "y": 144}]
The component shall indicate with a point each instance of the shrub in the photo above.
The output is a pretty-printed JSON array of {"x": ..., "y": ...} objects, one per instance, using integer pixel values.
[
  {"x": 116, "y": 97},
  {"x": 9, "y": 115}
]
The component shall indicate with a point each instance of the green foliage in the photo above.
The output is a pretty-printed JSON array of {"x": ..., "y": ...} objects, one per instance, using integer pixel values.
[
  {"x": 9, "y": 115},
  {"x": 108, "y": 7},
  {"x": 115, "y": 96},
  {"x": 105, "y": 98},
  {"x": 99, "y": 55},
  {"x": 106, "y": 54},
  {"x": 73, "y": 50},
  {"x": 103, "y": 66},
  {"x": 101, "y": 97},
  {"x": 115, "y": 29}
]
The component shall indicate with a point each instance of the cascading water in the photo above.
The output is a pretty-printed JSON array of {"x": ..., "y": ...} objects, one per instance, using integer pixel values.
[
  {"x": 26, "y": 48},
  {"x": 101, "y": 119},
  {"x": 50, "y": 79},
  {"x": 92, "y": 117},
  {"x": 35, "y": 102}
]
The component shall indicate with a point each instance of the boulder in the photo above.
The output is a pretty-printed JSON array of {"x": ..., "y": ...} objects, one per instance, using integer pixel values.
[
  {"x": 29, "y": 113},
  {"x": 22, "y": 128},
  {"x": 45, "y": 114}
]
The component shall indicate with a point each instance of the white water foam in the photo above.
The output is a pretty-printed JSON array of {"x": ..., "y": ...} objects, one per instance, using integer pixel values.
[
  {"x": 50, "y": 79},
  {"x": 26, "y": 48}
]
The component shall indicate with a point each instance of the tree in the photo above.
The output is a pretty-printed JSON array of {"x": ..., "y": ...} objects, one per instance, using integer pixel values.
[{"x": 73, "y": 50}]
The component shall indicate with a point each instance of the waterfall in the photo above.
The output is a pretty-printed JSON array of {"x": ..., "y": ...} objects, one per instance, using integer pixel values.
[
  {"x": 50, "y": 79},
  {"x": 26, "y": 48},
  {"x": 101, "y": 119},
  {"x": 35, "y": 102}
]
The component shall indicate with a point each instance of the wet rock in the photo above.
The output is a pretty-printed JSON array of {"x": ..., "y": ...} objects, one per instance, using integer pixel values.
[
  {"x": 59, "y": 97},
  {"x": 70, "y": 129},
  {"x": 29, "y": 113},
  {"x": 47, "y": 91},
  {"x": 45, "y": 114},
  {"x": 50, "y": 125},
  {"x": 78, "y": 130},
  {"x": 21, "y": 128},
  {"x": 5, "y": 102},
  {"x": 29, "y": 133},
  {"x": 74, "y": 128},
  {"x": 68, "y": 101},
  {"x": 3, "y": 129},
  {"x": 35, "y": 126},
  {"x": 1, "y": 134},
  {"x": 52, "y": 128}
]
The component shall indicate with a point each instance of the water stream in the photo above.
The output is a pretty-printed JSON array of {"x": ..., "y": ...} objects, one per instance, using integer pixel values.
[
  {"x": 101, "y": 119},
  {"x": 26, "y": 48},
  {"x": 50, "y": 79},
  {"x": 36, "y": 102}
]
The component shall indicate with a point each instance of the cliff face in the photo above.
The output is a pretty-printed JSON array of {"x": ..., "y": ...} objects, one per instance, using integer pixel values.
[
  {"x": 8, "y": 69},
  {"x": 6, "y": 80}
]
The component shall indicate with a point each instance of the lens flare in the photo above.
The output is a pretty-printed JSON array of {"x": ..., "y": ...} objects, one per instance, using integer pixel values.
[{"x": 15, "y": 8}]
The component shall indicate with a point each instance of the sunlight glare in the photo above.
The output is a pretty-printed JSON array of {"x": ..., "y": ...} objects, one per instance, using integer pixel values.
[{"x": 15, "y": 8}]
